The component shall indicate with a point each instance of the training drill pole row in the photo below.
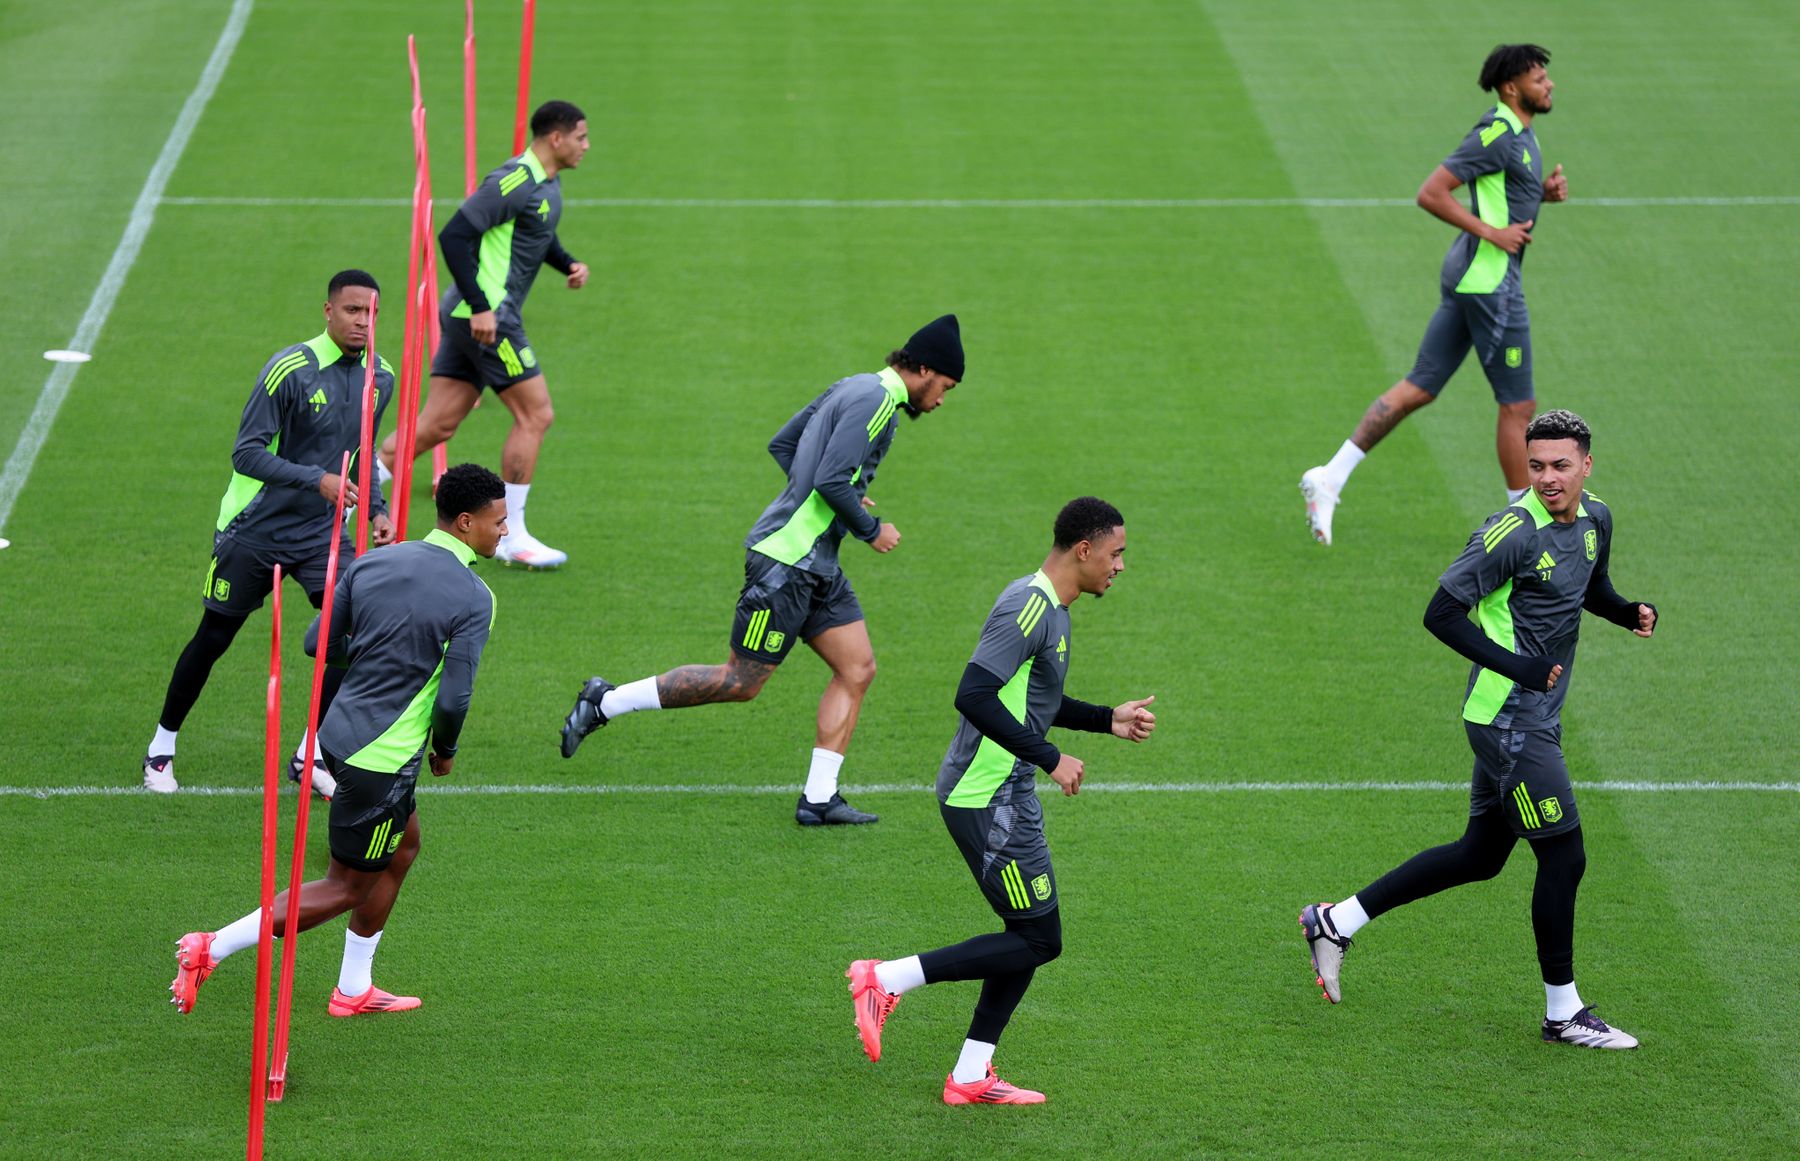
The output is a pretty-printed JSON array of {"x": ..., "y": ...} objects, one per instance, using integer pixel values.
[
  {"x": 284, "y": 994},
  {"x": 259, "y": 1031}
]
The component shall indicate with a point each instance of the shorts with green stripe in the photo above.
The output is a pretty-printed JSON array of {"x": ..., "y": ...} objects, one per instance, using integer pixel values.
[
  {"x": 1003, "y": 843},
  {"x": 509, "y": 360},
  {"x": 369, "y": 813},
  {"x": 1521, "y": 773},
  {"x": 780, "y": 604}
]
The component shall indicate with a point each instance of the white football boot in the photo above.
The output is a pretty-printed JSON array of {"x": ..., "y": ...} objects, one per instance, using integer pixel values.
[
  {"x": 1587, "y": 1031},
  {"x": 524, "y": 550},
  {"x": 1321, "y": 502},
  {"x": 159, "y": 774}
]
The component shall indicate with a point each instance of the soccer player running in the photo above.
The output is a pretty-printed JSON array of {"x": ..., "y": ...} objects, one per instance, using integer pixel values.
[
  {"x": 409, "y": 622},
  {"x": 1010, "y": 696},
  {"x": 494, "y": 246},
  {"x": 1483, "y": 299},
  {"x": 304, "y": 413},
  {"x": 794, "y": 588},
  {"x": 1527, "y": 574}
]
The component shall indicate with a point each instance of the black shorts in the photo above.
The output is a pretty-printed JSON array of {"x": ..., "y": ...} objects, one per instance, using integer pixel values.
[
  {"x": 241, "y": 575},
  {"x": 1497, "y": 327},
  {"x": 780, "y": 604},
  {"x": 1006, "y": 852},
  {"x": 510, "y": 360},
  {"x": 1522, "y": 774},
  {"x": 369, "y": 813}
]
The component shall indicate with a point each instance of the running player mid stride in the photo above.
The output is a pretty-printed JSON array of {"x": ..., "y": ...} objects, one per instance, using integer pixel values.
[
  {"x": 1481, "y": 303},
  {"x": 1526, "y": 574},
  {"x": 1010, "y": 696},
  {"x": 494, "y": 247},
  {"x": 794, "y": 587},
  {"x": 410, "y": 622}
]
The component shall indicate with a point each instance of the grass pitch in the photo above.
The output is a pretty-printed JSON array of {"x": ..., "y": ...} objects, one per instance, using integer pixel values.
[{"x": 642, "y": 972}]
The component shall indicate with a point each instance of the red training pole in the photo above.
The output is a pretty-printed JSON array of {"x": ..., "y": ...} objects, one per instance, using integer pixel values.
[
  {"x": 468, "y": 97},
  {"x": 523, "y": 113},
  {"x": 284, "y": 992},
  {"x": 265, "y": 938},
  {"x": 366, "y": 448}
]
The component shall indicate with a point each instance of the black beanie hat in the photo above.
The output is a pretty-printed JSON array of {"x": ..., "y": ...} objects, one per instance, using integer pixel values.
[{"x": 938, "y": 345}]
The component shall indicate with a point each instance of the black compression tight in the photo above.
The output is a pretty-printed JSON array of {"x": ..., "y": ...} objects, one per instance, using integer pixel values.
[
  {"x": 210, "y": 641},
  {"x": 1480, "y": 854},
  {"x": 1004, "y": 961}
]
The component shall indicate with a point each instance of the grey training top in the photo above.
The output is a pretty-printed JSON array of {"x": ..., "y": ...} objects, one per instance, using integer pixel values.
[
  {"x": 1526, "y": 577},
  {"x": 304, "y": 413},
  {"x": 1501, "y": 164},
  {"x": 516, "y": 209},
  {"x": 829, "y": 450},
  {"x": 1025, "y": 643},
  {"x": 410, "y": 621}
]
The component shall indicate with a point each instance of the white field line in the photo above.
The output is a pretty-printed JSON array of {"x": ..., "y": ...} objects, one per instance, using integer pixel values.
[
  {"x": 56, "y": 387},
  {"x": 564, "y": 788},
  {"x": 978, "y": 203}
]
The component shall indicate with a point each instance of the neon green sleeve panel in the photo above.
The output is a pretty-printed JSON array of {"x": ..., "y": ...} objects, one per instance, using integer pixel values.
[
  {"x": 992, "y": 762},
  {"x": 792, "y": 541},
  {"x": 1488, "y": 269},
  {"x": 400, "y": 741},
  {"x": 1494, "y": 615},
  {"x": 240, "y": 492}
]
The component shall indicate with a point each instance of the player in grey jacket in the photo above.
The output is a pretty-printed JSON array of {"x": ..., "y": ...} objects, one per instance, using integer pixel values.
[
  {"x": 303, "y": 414},
  {"x": 409, "y": 621},
  {"x": 794, "y": 589}
]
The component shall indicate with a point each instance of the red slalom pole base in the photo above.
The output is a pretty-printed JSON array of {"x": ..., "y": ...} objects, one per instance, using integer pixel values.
[{"x": 278, "y": 1080}]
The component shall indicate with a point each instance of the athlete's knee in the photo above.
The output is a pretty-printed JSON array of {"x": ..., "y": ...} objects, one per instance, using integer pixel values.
[
  {"x": 1520, "y": 411},
  {"x": 1563, "y": 856},
  {"x": 216, "y": 632},
  {"x": 743, "y": 679},
  {"x": 1484, "y": 849},
  {"x": 1041, "y": 933},
  {"x": 1409, "y": 396},
  {"x": 860, "y": 674}
]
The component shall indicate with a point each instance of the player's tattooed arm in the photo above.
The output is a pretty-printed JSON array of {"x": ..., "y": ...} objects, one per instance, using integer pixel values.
[{"x": 739, "y": 679}]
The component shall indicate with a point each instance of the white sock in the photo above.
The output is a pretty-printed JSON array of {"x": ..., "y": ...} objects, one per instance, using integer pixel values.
[
  {"x": 899, "y": 976},
  {"x": 235, "y": 937},
  {"x": 300, "y": 751},
  {"x": 632, "y": 696},
  {"x": 1561, "y": 1001},
  {"x": 972, "y": 1065},
  {"x": 382, "y": 475},
  {"x": 359, "y": 957},
  {"x": 1514, "y": 495},
  {"x": 1337, "y": 472},
  {"x": 162, "y": 743},
  {"x": 821, "y": 779},
  {"x": 1348, "y": 917},
  {"x": 515, "y": 509}
]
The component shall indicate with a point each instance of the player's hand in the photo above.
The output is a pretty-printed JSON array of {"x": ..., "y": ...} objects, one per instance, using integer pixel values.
[
  {"x": 382, "y": 528},
  {"x": 885, "y": 539},
  {"x": 1556, "y": 671},
  {"x": 1556, "y": 186},
  {"x": 1515, "y": 237},
  {"x": 1132, "y": 721},
  {"x": 1068, "y": 774},
  {"x": 578, "y": 275},
  {"x": 485, "y": 328},
  {"x": 868, "y": 504},
  {"x": 1646, "y": 620},
  {"x": 440, "y": 766},
  {"x": 329, "y": 486}
]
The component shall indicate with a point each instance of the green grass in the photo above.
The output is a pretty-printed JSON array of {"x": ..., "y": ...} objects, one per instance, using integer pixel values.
[{"x": 658, "y": 974}]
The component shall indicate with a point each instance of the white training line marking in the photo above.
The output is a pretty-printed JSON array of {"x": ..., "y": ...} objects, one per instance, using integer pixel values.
[
  {"x": 980, "y": 203},
  {"x": 500, "y": 789},
  {"x": 56, "y": 387}
]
